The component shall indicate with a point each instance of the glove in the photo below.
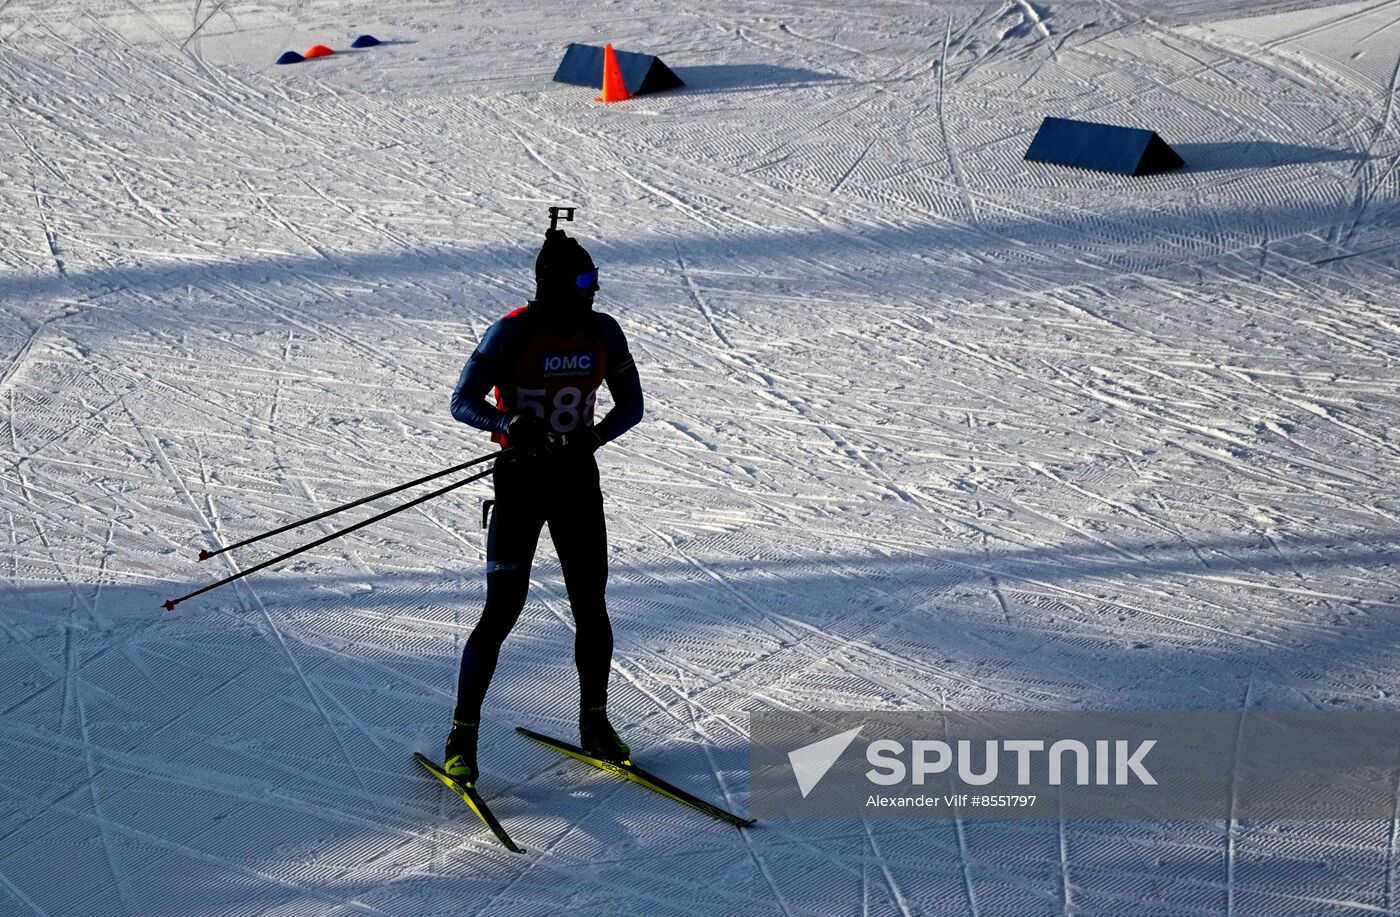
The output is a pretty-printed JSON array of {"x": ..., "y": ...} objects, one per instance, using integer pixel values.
[
  {"x": 526, "y": 432},
  {"x": 566, "y": 446}
]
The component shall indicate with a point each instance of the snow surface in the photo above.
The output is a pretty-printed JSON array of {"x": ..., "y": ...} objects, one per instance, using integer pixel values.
[{"x": 928, "y": 427}]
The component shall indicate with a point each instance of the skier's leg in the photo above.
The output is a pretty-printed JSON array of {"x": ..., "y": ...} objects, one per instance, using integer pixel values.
[
  {"x": 580, "y": 538},
  {"x": 510, "y": 549}
]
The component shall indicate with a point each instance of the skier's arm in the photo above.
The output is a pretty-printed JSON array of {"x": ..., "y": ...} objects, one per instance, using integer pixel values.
[
  {"x": 469, "y": 404},
  {"x": 624, "y": 385}
]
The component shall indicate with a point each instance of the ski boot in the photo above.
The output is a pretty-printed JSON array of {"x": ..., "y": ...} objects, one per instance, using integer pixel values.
[
  {"x": 597, "y": 737},
  {"x": 459, "y": 758}
]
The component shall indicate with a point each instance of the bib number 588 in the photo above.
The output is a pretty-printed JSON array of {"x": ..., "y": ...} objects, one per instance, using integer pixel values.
[{"x": 569, "y": 409}]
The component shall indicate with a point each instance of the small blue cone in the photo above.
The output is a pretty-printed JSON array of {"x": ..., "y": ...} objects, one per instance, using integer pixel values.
[
  {"x": 291, "y": 57},
  {"x": 364, "y": 41}
]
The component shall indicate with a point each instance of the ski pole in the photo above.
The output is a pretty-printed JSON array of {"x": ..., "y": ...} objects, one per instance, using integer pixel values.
[
  {"x": 205, "y": 553},
  {"x": 169, "y": 604}
]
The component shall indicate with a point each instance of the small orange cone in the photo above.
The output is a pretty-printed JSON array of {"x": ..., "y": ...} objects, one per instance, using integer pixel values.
[
  {"x": 319, "y": 51},
  {"x": 614, "y": 90}
]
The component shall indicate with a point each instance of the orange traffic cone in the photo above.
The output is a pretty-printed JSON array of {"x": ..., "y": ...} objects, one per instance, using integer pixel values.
[
  {"x": 318, "y": 51},
  {"x": 614, "y": 90}
]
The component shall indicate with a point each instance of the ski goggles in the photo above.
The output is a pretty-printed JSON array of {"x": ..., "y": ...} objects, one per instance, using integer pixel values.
[{"x": 587, "y": 279}]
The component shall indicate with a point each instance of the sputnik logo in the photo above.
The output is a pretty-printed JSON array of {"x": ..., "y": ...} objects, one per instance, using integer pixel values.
[{"x": 811, "y": 762}]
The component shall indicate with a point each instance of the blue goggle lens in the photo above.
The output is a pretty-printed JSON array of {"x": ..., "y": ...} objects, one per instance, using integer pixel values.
[{"x": 586, "y": 280}]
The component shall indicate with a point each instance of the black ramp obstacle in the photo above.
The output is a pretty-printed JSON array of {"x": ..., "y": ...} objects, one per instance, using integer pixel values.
[
  {"x": 1106, "y": 147},
  {"x": 642, "y": 73}
]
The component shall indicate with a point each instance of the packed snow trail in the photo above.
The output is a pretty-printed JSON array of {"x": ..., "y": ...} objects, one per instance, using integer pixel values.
[{"x": 928, "y": 427}]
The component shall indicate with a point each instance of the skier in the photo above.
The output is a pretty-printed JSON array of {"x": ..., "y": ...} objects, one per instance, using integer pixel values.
[{"x": 545, "y": 361}]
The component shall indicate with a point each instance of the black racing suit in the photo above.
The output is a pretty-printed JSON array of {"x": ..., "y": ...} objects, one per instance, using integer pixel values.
[{"x": 535, "y": 367}]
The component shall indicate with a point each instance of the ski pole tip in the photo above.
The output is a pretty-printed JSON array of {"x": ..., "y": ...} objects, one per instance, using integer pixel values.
[
  {"x": 205, "y": 553},
  {"x": 169, "y": 604}
]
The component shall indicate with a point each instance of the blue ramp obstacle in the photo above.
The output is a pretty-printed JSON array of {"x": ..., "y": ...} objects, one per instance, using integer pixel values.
[
  {"x": 642, "y": 73},
  {"x": 1088, "y": 145}
]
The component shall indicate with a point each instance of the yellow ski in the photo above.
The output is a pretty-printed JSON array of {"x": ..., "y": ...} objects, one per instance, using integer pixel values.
[
  {"x": 630, "y": 771},
  {"x": 473, "y": 800}
]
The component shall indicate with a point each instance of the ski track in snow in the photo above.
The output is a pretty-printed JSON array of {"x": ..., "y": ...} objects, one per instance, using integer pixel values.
[{"x": 929, "y": 427}]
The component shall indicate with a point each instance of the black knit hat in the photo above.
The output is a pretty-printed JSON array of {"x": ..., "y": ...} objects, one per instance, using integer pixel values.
[{"x": 560, "y": 261}]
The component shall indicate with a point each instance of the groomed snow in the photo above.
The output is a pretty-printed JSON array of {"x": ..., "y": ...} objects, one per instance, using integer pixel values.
[{"x": 929, "y": 427}]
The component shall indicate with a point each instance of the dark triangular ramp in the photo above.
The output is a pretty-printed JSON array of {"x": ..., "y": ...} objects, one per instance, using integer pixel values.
[
  {"x": 634, "y": 69},
  {"x": 1105, "y": 147},
  {"x": 641, "y": 73},
  {"x": 658, "y": 77},
  {"x": 582, "y": 66},
  {"x": 1158, "y": 157}
]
